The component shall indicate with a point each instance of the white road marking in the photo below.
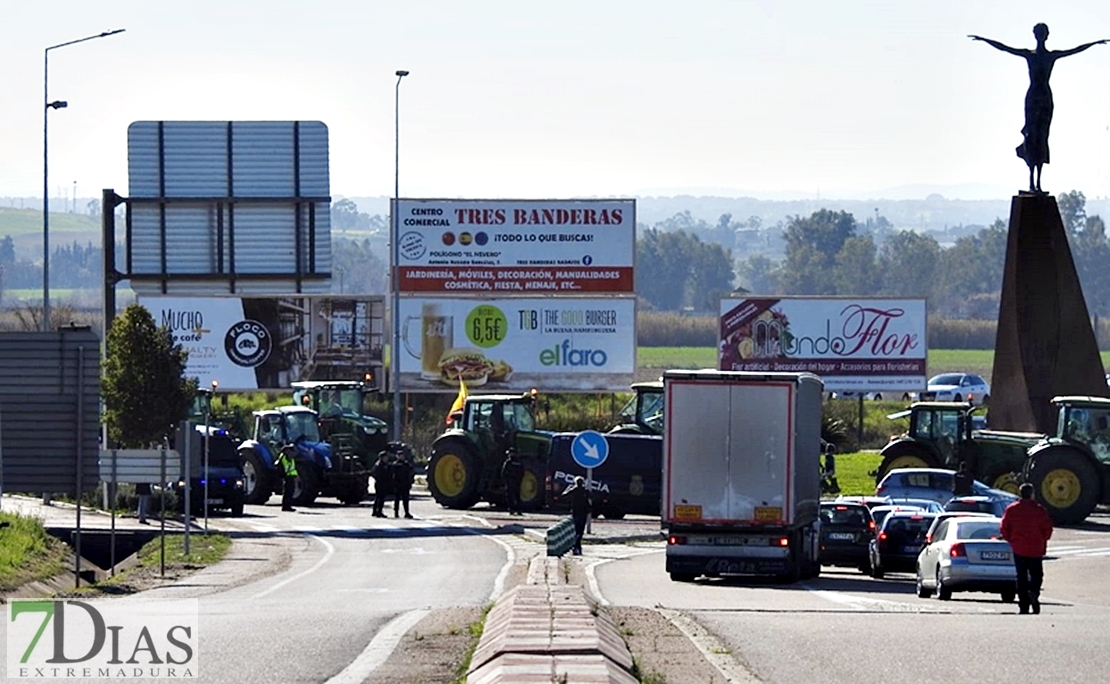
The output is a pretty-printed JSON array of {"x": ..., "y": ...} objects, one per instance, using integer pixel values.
[
  {"x": 870, "y": 604},
  {"x": 379, "y": 648},
  {"x": 591, "y": 572},
  {"x": 1070, "y": 552},
  {"x": 510, "y": 558},
  {"x": 314, "y": 568}
]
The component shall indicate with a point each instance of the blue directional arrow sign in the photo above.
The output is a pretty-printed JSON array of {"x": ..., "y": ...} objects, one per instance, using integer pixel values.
[{"x": 589, "y": 449}]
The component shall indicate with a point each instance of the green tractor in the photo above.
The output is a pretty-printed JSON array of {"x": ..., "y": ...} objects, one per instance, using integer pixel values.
[
  {"x": 643, "y": 414},
  {"x": 465, "y": 466},
  {"x": 1070, "y": 470},
  {"x": 231, "y": 420},
  {"x": 339, "y": 403},
  {"x": 941, "y": 436}
]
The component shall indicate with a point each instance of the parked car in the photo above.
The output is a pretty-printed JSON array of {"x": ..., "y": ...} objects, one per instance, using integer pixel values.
[
  {"x": 926, "y": 504},
  {"x": 879, "y": 513},
  {"x": 869, "y": 396},
  {"x": 955, "y": 387},
  {"x": 931, "y": 483},
  {"x": 846, "y": 533},
  {"x": 900, "y": 539},
  {"x": 977, "y": 504},
  {"x": 967, "y": 554},
  {"x": 941, "y": 517}
]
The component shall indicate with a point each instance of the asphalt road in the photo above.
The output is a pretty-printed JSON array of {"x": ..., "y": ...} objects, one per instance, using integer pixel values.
[
  {"x": 846, "y": 626},
  {"x": 345, "y": 575}
]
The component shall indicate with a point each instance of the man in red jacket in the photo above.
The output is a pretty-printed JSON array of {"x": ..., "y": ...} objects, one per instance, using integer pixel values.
[{"x": 1027, "y": 526}]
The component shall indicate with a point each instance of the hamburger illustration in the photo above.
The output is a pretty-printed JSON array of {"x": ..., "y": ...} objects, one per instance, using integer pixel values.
[{"x": 463, "y": 362}]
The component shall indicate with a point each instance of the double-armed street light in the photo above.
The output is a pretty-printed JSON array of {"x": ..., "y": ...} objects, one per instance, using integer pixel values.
[{"x": 47, "y": 106}]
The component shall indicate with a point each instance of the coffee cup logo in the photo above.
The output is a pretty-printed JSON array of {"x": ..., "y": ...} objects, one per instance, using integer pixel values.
[{"x": 248, "y": 343}]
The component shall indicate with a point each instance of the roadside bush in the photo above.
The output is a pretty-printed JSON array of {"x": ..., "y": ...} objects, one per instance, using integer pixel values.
[{"x": 952, "y": 333}]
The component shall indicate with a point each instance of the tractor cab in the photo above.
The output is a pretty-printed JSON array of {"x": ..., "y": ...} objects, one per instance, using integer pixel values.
[
  {"x": 286, "y": 425},
  {"x": 643, "y": 414},
  {"x": 342, "y": 422},
  {"x": 496, "y": 421},
  {"x": 943, "y": 425},
  {"x": 1085, "y": 421}
]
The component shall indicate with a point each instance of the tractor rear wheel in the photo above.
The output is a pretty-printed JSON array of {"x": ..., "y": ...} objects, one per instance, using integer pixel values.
[
  {"x": 453, "y": 473},
  {"x": 306, "y": 486},
  {"x": 1066, "y": 483},
  {"x": 257, "y": 485},
  {"x": 906, "y": 457}
]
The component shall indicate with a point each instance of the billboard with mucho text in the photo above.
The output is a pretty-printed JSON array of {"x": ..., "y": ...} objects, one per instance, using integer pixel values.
[
  {"x": 854, "y": 344},
  {"x": 516, "y": 247},
  {"x": 260, "y": 343},
  {"x": 515, "y": 344}
]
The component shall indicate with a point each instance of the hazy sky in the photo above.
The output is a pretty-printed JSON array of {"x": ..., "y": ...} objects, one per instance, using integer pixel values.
[{"x": 570, "y": 99}]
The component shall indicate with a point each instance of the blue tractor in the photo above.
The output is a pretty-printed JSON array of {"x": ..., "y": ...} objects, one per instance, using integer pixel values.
[{"x": 319, "y": 472}]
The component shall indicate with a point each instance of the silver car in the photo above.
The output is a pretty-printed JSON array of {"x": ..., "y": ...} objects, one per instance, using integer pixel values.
[
  {"x": 967, "y": 553},
  {"x": 931, "y": 483}
]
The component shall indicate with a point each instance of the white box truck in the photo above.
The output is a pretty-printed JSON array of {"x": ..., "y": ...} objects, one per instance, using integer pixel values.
[{"x": 741, "y": 473}]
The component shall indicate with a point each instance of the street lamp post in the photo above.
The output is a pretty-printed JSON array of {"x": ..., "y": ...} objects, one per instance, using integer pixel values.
[
  {"x": 207, "y": 435},
  {"x": 47, "y": 106},
  {"x": 395, "y": 278}
]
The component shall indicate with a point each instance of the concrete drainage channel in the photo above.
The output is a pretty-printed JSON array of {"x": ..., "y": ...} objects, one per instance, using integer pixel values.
[
  {"x": 96, "y": 549},
  {"x": 550, "y": 631}
]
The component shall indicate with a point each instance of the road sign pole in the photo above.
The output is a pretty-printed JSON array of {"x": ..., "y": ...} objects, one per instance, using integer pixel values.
[{"x": 589, "y": 490}]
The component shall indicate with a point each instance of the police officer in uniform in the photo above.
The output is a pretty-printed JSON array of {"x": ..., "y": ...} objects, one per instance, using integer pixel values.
[
  {"x": 383, "y": 481},
  {"x": 401, "y": 471}
]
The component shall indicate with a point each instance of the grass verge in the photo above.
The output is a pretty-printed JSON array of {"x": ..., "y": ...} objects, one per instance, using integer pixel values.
[
  {"x": 852, "y": 473},
  {"x": 27, "y": 552}
]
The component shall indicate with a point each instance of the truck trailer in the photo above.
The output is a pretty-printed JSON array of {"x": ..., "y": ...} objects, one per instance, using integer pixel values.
[{"x": 741, "y": 474}]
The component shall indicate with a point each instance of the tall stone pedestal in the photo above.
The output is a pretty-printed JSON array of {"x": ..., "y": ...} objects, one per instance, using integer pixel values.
[{"x": 1045, "y": 345}]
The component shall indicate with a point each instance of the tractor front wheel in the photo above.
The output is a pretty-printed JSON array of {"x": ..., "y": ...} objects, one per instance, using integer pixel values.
[
  {"x": 306, "y": 486},
  {"x": 453, "y": 473}
]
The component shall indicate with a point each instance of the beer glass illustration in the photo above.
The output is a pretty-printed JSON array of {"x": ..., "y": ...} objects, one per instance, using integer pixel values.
[{"x": 437, "y": 335}]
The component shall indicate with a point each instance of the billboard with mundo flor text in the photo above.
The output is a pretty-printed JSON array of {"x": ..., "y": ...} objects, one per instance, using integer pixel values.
[
  {"x": 516, "y": 247},
  {"x": 854, "y": 344}
]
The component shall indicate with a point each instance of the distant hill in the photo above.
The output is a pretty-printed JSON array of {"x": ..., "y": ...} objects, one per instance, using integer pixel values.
[
  {"x": 933, "y": 213},
  {"x": 25, "y": 227}
]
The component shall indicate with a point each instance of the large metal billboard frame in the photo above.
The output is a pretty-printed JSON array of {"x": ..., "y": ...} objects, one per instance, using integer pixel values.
[
  {"x": 855, "y": 344},
  {"x": 233, "y": 207}
]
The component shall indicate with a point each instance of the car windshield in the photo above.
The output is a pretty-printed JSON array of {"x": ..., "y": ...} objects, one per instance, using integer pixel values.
[
  {"x": 946, "y": 379},
  {"x": 987, "y": 529},
  {"x": 221, "y": 452},
  {"x": 651, "y": 410},
  {"x": 965, "y": 505},
  {"x": 844, "y": 515},
  {"x": 907, "y": 526},
  {"x": 301, "y": 425}
]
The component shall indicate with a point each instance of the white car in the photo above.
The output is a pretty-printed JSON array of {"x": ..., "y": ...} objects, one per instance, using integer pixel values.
[
  {"x": 956, "y": 387},
  {"x": 967, "y": 553}
]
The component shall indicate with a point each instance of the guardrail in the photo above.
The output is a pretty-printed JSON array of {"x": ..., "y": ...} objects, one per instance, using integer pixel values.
[{"x": 560, "y": 537}]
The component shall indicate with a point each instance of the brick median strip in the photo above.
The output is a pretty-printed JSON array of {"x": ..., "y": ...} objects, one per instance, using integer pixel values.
[{"x": 547, "y": 631}]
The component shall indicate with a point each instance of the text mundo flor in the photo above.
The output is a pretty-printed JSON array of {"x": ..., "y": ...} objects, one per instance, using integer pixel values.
[{"x": 99, "y": 639}]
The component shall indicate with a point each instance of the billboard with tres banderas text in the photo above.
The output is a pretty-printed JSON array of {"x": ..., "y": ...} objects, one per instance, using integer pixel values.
[
  {"x": 515, "y": 344},
  {"x": 854, "y": 344},
  {"x": 516, "y": 247}
]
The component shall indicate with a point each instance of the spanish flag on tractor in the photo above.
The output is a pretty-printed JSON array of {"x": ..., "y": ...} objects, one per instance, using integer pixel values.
[{"x": 459, "y": 401}]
